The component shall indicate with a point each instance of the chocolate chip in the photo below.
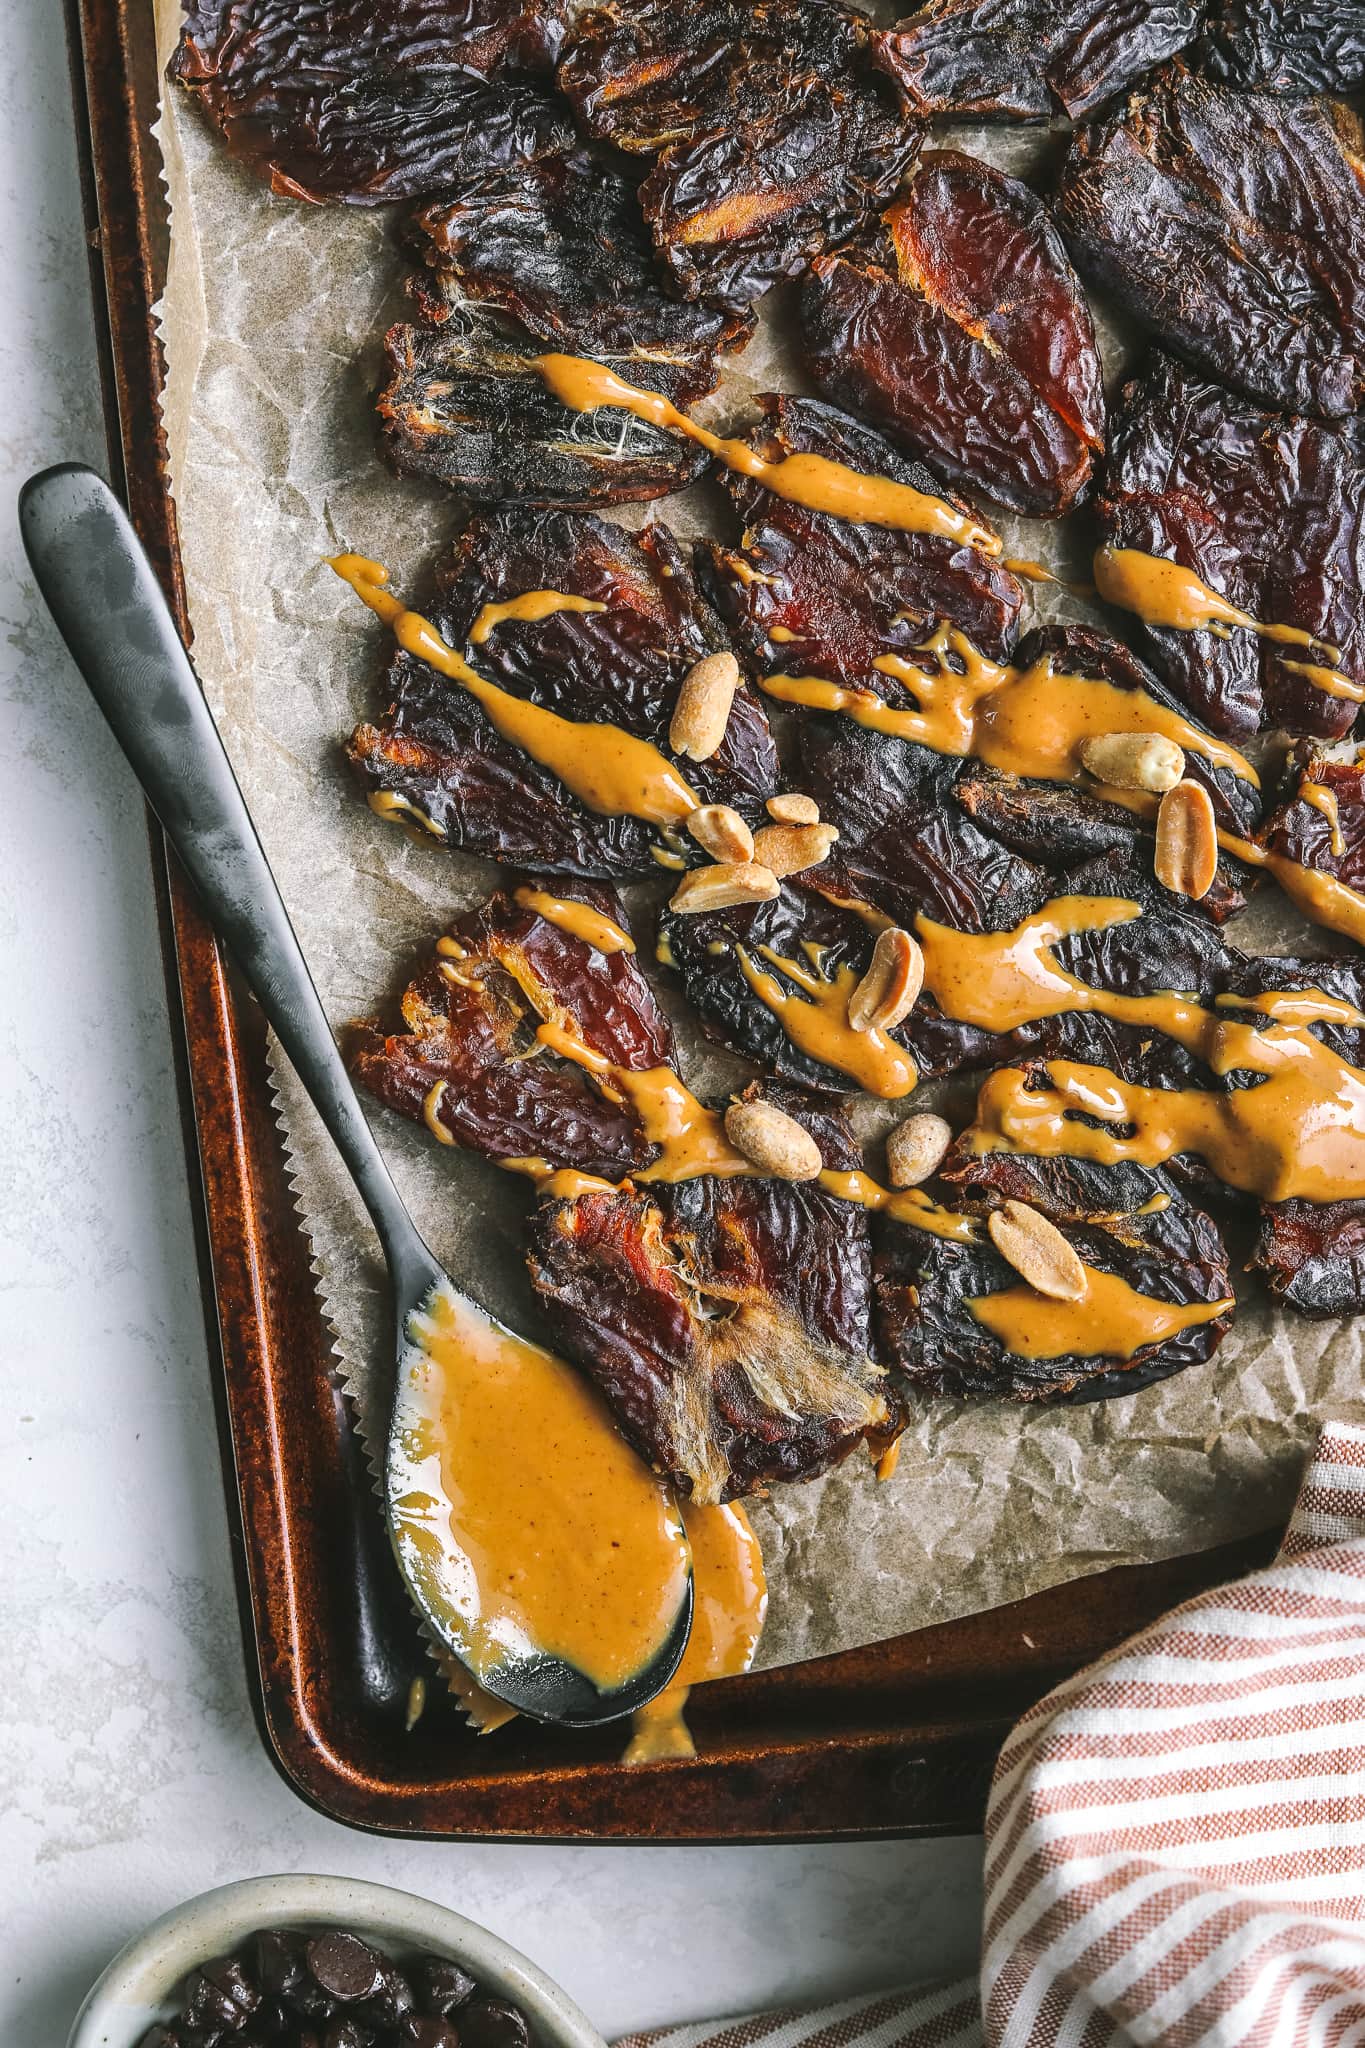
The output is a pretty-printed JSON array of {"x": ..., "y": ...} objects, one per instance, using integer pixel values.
[
  {"x": 346, "y": 1967},
  {"x": 275, "y": 1958},
  {"x": 219, "y": 1997},
  {"x": 489, "y": 2023},
  {"x": 427, "y": 2030},
  {"x": 347, "y": 2033},
  {"x": 441, "y": 1986},
  {"x": 388, "y": 2005}
]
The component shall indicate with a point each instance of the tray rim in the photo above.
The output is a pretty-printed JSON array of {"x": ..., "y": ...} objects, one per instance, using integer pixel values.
[{"x": 920, "y": 1763}]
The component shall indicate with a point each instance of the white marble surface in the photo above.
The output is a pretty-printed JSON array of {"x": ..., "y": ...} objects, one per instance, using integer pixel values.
[{"x": 130, "y": 1771}]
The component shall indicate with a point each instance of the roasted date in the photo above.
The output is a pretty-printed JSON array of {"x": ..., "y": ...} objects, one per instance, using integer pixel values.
[
  {"x": 1293, "y": 46},
  {"x": 437, "y": 752},
  {"x": 1030, "y": 59},
  {"x": 465, "y": 406},
  {"x": 370, "y": 100},
  {"x": 907, "y": 845},
  {"x": 1319, "y": 817},
  {"x": 773, "y": 135},
  {"x": 558, "y": 245},
  {"x": 959, "y": 326},
  {"x": 1268, "y": 512},
  {"x": 1232, "y": 226},
  {"x": 1312, "y": 1255},
  {"x": 738, "y": 209},
  {"x": 925, "y": 1286},
  {"x": 726, "y": 1321},
  {"x": 468, "y": 1064},
  {"x": 810, "y": 594}
]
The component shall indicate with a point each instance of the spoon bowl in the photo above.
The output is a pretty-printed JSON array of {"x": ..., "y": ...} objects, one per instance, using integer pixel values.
[{"x": 104, "y": 596}]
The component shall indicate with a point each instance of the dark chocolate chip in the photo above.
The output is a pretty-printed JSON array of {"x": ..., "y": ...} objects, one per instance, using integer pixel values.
[
  {"x": 490, "y": 2023},
  {"x": 441, "y": 1986},
  {"x": 275, "y": 1958},
  {"x": 346, "y": 1967},
  {"x": 426, "y": 2030}
]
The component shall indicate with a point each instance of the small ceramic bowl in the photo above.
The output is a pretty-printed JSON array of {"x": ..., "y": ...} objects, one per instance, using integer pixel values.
[{"x": 140, "y": 1986}]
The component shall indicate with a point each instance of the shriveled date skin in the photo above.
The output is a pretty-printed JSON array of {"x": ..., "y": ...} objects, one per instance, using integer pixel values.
[
  {"x": 1026, "y": 60},
  {"x": 1232, "y": 225},
  {"x": 927, "y": 1330},
  {"x": 1312, "y": 1255},
  {"x": 838, "y": 593},
  {"x": 371, "y": 100},
  {"x": 726, "y": 1321},
  {"x": 1328, "y": 834},
  {"x": 961, "y": 328},
  {"x": 464, "y": 405},
  {"x": 773, "y": 135},
  {"x": 470, "y": 1020},
  {"x": 1269, "y": 512},
  {"x": 476, "y": 791},
  {"x": 558, "y": 245},
  {"x": 1292, "y": 46}
]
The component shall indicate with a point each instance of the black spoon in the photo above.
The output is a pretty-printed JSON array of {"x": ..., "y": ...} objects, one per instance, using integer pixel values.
[{"x": 104, "y": 596}]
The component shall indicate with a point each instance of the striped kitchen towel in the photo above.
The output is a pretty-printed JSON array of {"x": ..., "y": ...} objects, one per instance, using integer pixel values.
[{"x": 1175, "y": 1841}]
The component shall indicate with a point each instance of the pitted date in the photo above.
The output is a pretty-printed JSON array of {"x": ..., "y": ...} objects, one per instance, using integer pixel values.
[
  {"x": 1319, "y": 817},
  {"x": 372, "y": 100},
  {"x": 1026, "y": 60},
  {"x": 807, "y": 593},
  {"x": 467, "y": 1061},
  {"x": 458, "y": 780},
  {"x": 1232, "y": 226},
  {"x": 727, "y": 1321},
  {"x": 1268, "y": 512},
  {"x": 1291, "y": 46},
  {"x": 558, "y": 246},
  {"x": 959, "y": 326},
  {"x": 466, "y": 407}
]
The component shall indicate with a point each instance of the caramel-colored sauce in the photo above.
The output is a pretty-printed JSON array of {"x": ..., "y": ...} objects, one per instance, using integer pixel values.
[
  {"x": 1002, "y": 980},
  {"x": 1321, "y": 897},
  {"x": 391, "y": 803},
  {"x": 1325, "y": 800},
  {"x": 431, "y": 1114},
  {"x": 730, "y": 1598},
  {"x": 1031, "y": 722},
  {"x": 690, "y": 1137},
  {"x": 1164, "y": 593},
  {"x": 1110, "y": 1320},
  {"x": 580, "y": 920},
  {"x": 904, "y": 1205},
  {"x": 1331, "y": 680},
  {"x": 532, "y": 606},
  {"x": 814, "y": 481},
  {"x": 527, "y": 1518},
  {"x": 608, "y": 770},
  {"x": 816, "y": 1022}
]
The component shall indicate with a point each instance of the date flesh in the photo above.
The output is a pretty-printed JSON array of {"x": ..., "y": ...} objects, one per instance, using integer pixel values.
[
  {"x": 960, "y": 328},
  {"x": 1312, "y": 1256},
  {"x": 928, "y": 1332},
  {"x": 726, "y": 1321},
  {"x": 558, "y": 246},
  {"x": 1030, "y": 59},
  {"x": 372, "y": 100},
  {"x": 469, "y": 1022},
  {"x": 436, "y": 748},
  {"x": 1331, "y": 841},
  {"x": 1232, "y": 226},
  {"x": 1269, "y": 513},
  {"x": 464, "y": 405},
  {"x": 1291, "y": 46},
  {"x": 839, "y": 593},
  {"x": 773, "y": 136}
]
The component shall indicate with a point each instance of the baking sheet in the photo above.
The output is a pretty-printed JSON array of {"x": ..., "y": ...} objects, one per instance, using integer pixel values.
[{"x": 271, "y": 323}]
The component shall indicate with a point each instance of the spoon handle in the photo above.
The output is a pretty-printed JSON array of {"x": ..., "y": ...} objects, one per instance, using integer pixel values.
[{"x": 103, "y": 593}]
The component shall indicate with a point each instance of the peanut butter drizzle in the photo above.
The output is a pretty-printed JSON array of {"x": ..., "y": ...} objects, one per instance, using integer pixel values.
[
  {"x": 1111, "y": 1319},
  {"x": 730, "y": 1599},
  {"x": 817, "y": 1023},
  {"x": 528, "y": 1518},
  {"x": 1164, "y": 593},
  {"x": 431, "y": 1114},
  {"x": 815, "y": 481},
  {"x": 1321, "y": 897},
  {"x": 1325, "y": 800},
  {"x": 580, "y": 920},
  {"x": 691, "y": 1138},
  {"x": 1030, "y": 722},
  {"x": 608, "y": 770},
  {"x": 1330, "y": 680},
  {"x": 533, "y": 606},
  {"x": 904, "y": 1205}
]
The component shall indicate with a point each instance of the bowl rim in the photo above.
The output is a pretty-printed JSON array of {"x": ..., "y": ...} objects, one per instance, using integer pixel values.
[{"x": 127, "y": 1997}]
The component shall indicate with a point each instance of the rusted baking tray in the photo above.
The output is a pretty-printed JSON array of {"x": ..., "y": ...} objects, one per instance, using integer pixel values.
[{"x": 898, "y": 1739}]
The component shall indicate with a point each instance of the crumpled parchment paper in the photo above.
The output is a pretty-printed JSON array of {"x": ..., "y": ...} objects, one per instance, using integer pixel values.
[{"x": 272, "y": 320}]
